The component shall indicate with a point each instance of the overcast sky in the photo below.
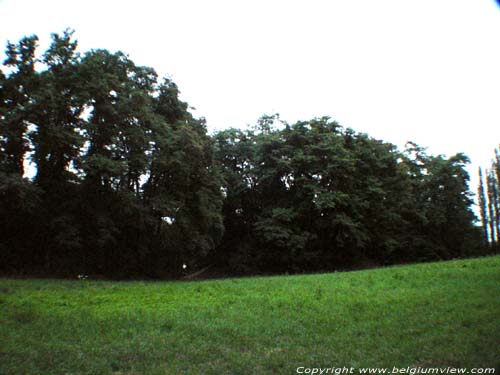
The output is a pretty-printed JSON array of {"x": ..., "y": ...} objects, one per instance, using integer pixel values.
[{"x": 426, "y": 71}]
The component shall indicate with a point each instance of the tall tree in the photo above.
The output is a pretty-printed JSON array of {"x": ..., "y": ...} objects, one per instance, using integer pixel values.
[
  {"x": 19, "y": 201},
  {"x": 483, "y": 202},
  {"x": 496, "y": 191},
  {"x": 57, "y": 114},
  {"x": 492, "y": 198},
  {"x": 183, "y": 186},
  {"x": 17, "y": 92}
]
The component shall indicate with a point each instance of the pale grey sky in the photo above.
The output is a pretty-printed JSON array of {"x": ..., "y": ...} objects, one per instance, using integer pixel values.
[{"x": 427, "y": 71}]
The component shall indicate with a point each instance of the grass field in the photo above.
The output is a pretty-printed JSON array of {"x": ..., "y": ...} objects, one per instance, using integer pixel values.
[{"x": 436, "y": 314}]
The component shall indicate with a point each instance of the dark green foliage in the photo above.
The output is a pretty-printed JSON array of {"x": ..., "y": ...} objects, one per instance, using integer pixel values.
[
  {"x": 116, "y": 154},
  {"x": 16, "y": 96},
  {"x": 128, "y": 183},
  {"x": 315, "y": 196}
]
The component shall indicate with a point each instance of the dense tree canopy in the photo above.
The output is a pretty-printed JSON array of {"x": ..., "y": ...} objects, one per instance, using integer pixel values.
[
  {"x": 314, "y": 195},
  {"x": 125, "y": 182},
  {"x": 129, "y": 183}
]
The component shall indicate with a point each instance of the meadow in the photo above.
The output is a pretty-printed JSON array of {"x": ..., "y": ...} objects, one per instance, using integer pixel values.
[{"x": 435, "y": 314}]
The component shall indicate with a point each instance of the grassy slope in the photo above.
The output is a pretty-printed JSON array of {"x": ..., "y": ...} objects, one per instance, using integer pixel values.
[{"x": 439, "y": 314}]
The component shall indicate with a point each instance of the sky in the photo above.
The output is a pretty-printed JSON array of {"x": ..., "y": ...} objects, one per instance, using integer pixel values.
[{"x": 426, "y": 71}]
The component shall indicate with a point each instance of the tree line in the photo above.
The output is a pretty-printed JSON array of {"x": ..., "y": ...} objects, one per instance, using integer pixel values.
[{"x": 128, "y": 183}]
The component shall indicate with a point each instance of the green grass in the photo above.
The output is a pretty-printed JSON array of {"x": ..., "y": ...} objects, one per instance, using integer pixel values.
[{"x": 436, "y": 314}]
